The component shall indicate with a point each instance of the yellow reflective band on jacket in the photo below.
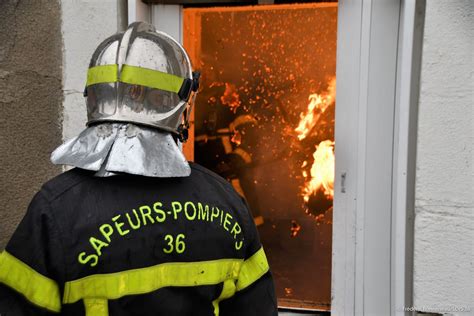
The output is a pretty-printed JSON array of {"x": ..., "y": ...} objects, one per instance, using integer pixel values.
[
  {"x": 146, "y": 280},
  {"x": 134, "y": 75},
  {"x": 235, "y": 274},
  {"x": 96, "y": 307},
  {"x": 37, "y": 288},
  {"x": 228, "y": 290},
  {"x": 252, "y": 269}
]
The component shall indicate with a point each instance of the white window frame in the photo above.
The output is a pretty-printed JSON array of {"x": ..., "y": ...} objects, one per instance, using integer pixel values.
[{"x": 378, "y": 66}]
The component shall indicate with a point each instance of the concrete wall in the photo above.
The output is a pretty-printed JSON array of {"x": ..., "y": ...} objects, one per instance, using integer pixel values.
[
  {"x": 30, "y": 102},
  {"x": 444, "y": 207},
  {"x": 45, "y": 48}
]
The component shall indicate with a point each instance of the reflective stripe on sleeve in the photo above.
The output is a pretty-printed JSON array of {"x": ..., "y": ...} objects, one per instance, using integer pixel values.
[
  {"x": 252, "y": 269},
  {"x": 34, "y": 286},
  {"x": 134, "y": 75},
  {"x": 149, "y": 279}
]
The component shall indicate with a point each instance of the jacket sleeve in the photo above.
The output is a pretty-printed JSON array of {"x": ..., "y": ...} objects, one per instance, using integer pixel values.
[
  {"x": 31, "y": 264},
  {"x": 255, "y": 291}
]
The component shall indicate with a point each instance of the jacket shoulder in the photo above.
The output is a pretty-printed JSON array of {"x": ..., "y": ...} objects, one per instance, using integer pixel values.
[
  {"x": 64, "y": 181},
  {"x": 209, "y": 174}
]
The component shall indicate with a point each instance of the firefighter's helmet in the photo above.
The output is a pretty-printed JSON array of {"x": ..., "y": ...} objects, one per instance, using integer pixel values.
[
  {"x": 140, "y": 76},
  {"x": 139, "y": 85}
]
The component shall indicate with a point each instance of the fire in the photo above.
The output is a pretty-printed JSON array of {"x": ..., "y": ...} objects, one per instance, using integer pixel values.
[
  {"x": 317, "y": 106},
  {"x": 320, "y": 178},
  {"x": 322, "y": 171}
]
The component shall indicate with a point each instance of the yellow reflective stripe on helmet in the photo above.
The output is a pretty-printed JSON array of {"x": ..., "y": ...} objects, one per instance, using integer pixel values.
[
  {"x": 102, "y": 74},
  {"x": 252, "y": 269},
  {"x": 149, "y": 279},
  {"x": 96, "y": 307},
  {"x": 135, "y": 75},
  {"x": 37, "y": 288},
  {"x": 151, "y": 78}
]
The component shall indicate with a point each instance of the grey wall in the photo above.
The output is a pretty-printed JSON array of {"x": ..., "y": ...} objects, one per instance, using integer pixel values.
[
  {"x": 30, "y": 102},
  {"x": 444, "y": 203}
]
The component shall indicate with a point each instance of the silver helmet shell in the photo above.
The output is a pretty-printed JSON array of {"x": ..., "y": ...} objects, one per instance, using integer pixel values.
[
  {"x": 138, "y": 85},
  {"x": 140, "y": 53}
]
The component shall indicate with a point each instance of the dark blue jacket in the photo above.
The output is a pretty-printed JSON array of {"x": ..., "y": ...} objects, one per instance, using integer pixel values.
[{"x": 132, "y": 245}]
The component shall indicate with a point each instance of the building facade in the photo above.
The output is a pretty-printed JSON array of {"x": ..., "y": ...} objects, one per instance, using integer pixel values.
[{"x": 45, "y": 48}]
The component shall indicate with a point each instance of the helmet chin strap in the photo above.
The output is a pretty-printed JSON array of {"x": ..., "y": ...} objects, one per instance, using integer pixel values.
[{"x": 183, "y": 129}]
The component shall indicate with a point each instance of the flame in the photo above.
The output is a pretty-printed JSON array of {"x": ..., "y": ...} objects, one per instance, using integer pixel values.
[
  {"x": 322, "y": 171},
  {"x": 316, "y": 107},
  {"x": 319, "y": 179}
]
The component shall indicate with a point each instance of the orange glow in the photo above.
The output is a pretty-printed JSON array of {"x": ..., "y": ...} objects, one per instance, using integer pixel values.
[
  {"x": 236, "y": 138},
  {"x": 295, "y": 229},
  {"x": 231, "y": 98},
  {"x": 255, "y": 127}
]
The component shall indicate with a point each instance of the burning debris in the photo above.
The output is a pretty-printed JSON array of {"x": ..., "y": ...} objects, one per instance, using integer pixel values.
[
  {"x": 231, "y": 97},
  {"x": 295, "y": 228}
]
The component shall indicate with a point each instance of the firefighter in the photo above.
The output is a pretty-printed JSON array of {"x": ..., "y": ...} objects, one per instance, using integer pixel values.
[{"x": 135, "y": 229}]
